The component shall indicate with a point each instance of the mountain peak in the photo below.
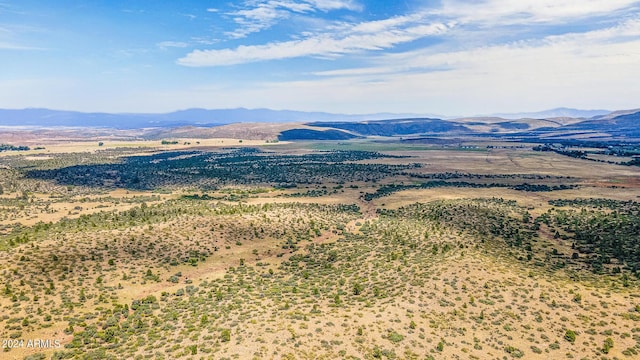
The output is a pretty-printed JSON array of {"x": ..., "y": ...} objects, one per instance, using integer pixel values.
[{"x": 560, "y": 112}]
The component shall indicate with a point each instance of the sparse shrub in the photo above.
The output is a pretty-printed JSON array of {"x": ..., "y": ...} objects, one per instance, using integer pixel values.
[
  {"x": 61, "y": 355},
  {"x": 38, "y": 356},
  {"x": 515, "y": 352},
  {"x": 225, "y": 335},
  {"x": 394, "y": 337},
  {"x": 570, "y": 336},
  {"x": 357, "y": 288},
  {"x": 193, "y": 349},
  {"x": 377, "y": 353},
  {"x": 608, "y": 344}
]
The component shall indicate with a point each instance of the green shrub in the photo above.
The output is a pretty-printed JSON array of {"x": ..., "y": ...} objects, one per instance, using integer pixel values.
[
  {"x": 38, "y": 356},
  {"x": 515, "y": 352},
  {"x": 394, "y": 337},
  {"x": 225, "y": 335},
  {"x": 357, "y": 288},
  {"x": 570, "y": 336},
  {"x": 608, "y": 344}
]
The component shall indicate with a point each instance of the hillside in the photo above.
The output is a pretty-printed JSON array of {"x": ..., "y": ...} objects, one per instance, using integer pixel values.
[
  {"x": 309, "y": 134},
  {"x": 557, "y": 112},
  {"x": 395, "y": 127},
  {"x": 272, "y": 125},
  {"x": 189, "y": 117},
  {"x": 625, "y": 125}
]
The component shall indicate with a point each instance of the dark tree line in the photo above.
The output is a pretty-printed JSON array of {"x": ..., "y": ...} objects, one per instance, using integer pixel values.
[
  {"x": 386, "y": 190},
  {"x": 212, "y": 169},
  {"x": 7, "y": 147},
  {"x": 568, "y": 148}
]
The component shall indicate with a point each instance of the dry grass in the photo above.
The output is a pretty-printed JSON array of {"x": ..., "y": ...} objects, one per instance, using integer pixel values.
[{"x": 290, "y": 279}]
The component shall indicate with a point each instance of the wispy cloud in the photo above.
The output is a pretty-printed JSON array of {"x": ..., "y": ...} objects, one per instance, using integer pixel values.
[
  {"x": 9, "y": 8},
  {"x": 558, "y": 71},
  {"x": 8, "y": 40},
  {"x": 256, "y": 19},
  {"x": 326, "y": 5},
  {"x": 204, "y": 40},
  {"x": 366, "y": 36},
  {"x": 446, "y": 56},
  {"x": 255, "y": 16},
  {"x": 575, "y": 68},
  {"x": 529, "y": 11},
  {"x": 340, "y": 38},
  {"x": 11, "y": 46},
  {"x": 616, "y": 44},
  {"x": 172, "y": 44}
]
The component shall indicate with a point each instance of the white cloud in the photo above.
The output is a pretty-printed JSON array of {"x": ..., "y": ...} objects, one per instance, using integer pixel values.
[
  {"x": 596, "y": 68},
  {"x": 326, "y": 5},
  {"x": 172, "y": 44},
  {"x": 256, "y": 19},
  {"x": 529, "y": 11},
  {"x": 371, "y": 36},
  {"x": 470, "y": 69},
  {"x": 292, "y": 6},
  {"x": 486, "y": 80},
  {"x": 343, "y": 38},
  {"x": 610, "y": 45},
  {"x": 255, "y": 16},
  {"x": 386, "y": 24}
]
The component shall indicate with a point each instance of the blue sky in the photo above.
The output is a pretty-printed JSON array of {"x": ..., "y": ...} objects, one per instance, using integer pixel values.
[{"x": 448, "y": 57}]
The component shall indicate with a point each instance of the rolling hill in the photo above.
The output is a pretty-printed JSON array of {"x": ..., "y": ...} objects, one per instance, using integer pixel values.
[
  {"x": 261, "y": 124},
  {"x": 188, "y": 117}
]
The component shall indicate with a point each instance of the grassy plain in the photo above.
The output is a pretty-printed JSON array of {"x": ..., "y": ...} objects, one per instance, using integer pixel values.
[{"x": 480, "y": 267}]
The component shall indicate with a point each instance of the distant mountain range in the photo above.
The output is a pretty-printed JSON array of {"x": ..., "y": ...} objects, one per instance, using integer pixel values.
[
  {"x": 35, "y": 117},
  {"x": 554, "y": 113},
  {"x": 265, "y": 124},
  {"x": 190, "y": 117},
  {"x": 618, "y": 126}
]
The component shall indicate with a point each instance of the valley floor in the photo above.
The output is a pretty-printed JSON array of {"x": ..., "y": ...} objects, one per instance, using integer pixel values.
[{"x": 290, "y": 252}]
